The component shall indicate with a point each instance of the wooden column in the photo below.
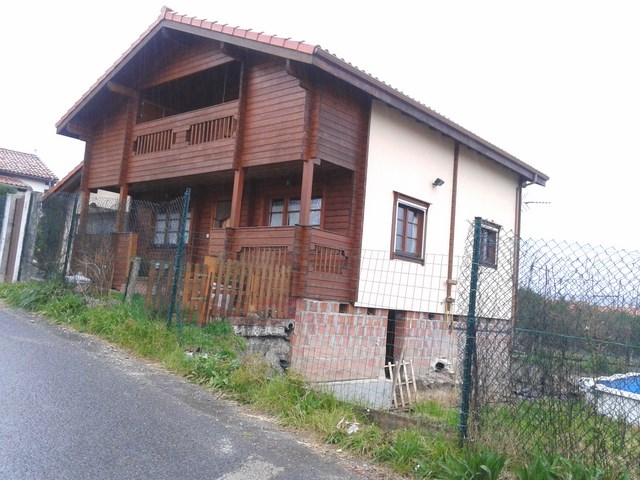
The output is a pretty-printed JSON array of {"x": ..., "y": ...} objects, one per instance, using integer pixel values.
[
  {"x": 122, "y": 207},
  {"x": 127, "y": 151},
  {"x": 236, "y": 197},
  {"x": 305, "y": 193}
]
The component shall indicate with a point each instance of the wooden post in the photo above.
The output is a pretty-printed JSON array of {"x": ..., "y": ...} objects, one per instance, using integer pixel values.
[
  {"x": 236, "y": 198},
  {"x": 122, "y": 207},
  {"x": 133, "y": 279},
  {"x": 305, "y": 193}
]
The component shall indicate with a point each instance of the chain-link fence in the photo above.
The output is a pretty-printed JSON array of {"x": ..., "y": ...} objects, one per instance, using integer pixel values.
[
  {"x": 103, "y": 243},
  {"x": 520, "y": 345},
  {"x": 395, "y": 349},
  {"x": 561, "y": 374}
]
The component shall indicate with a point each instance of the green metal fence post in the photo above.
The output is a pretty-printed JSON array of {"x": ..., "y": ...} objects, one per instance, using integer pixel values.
[
  {"x": 470, "y": 343},
  {"x": 179, "y": 255}
]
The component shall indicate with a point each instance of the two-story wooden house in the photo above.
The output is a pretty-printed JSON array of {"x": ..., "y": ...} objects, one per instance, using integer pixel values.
[{"x": 288, "y": 148}]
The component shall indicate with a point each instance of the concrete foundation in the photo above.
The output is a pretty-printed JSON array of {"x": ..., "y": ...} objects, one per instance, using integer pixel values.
[
  {"x": 371, "y": 393},
  {"x": 270, "y": 341}
]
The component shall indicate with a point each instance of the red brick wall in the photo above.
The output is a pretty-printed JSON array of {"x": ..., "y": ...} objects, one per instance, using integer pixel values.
[
  {"x": 425, "y": 341},
  {"x": 327, "y": 345}
]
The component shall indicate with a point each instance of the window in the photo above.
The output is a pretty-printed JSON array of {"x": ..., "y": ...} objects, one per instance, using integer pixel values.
[
  {"x": 168, "y": 227},
  {"x": 222, "y": 214},
  {"x": 286, "y": 211},
  {"x": 409, "y": 224},
  {"x": 489, "y": 244}
]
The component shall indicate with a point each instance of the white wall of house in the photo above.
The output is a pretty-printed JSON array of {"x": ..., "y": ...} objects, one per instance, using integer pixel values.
[
  {"x": 485, "y": 189},
  {"x": 36, "y": 185},
  {"x": 405, "y": 156}
]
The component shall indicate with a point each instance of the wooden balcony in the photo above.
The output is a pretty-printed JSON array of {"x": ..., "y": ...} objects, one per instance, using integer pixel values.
[{"x": 192, "y": 143}]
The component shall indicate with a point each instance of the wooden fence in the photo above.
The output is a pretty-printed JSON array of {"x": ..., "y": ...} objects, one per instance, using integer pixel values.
[{"x": 231, "y": 288}]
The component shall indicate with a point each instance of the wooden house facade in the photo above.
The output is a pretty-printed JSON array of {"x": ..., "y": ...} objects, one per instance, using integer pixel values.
[{"x": 274, "y": 139}]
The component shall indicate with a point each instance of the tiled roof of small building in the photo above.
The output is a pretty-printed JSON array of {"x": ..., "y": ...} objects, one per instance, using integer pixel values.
[
  {"x": 14, "y": 182},
  {"x": 25, "y": 165}
]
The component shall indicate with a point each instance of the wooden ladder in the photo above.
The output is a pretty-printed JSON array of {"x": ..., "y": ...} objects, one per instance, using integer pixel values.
[{"x": 404, "y": 390}]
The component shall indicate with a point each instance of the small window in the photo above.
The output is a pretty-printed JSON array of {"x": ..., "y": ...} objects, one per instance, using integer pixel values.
[
  {"x": 409, "y": 224},
  {"x": 167, "y": 229},
  {"x": 489, "y": 244},
  {"x": 222, "y": 214},
  {"x": 287, "y": 212}
]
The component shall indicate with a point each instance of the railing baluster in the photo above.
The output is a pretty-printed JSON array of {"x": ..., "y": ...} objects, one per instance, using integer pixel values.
[{"x": 153, "y": 142}]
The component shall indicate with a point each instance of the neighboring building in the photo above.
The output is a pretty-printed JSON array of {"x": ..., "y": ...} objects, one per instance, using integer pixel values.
[
  {"x": 25, "y": 171},
  {"x": 28, "y": 176},
  {"x": 288, "y": 148}
]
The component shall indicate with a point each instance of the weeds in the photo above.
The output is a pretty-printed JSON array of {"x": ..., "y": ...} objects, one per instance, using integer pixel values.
[
  {"x": 471, "y": 465},
  {"x": 434, "y": 412},
  {"x": 556, "y": 467},
  {"x": 213, "y": 357}
]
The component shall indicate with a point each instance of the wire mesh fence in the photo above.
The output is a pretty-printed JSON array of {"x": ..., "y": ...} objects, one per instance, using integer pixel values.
[
  {"x": 561, "y": 375},
  {"x": 520, "y": 345},
  {"x": 93, "y": 244}
]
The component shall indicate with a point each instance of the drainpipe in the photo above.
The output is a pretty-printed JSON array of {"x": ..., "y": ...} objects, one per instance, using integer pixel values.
[
  {"x": 516, "y": 249},
  {"x": 452, "y": 229}
]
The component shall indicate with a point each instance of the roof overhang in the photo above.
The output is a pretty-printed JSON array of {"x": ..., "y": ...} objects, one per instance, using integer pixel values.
[{"x": 311, "y": 55}]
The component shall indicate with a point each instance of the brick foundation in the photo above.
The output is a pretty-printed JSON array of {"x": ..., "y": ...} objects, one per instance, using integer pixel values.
[
  {"x": 327, "y": 345},
  {"x": 425, "y": 339},
  {"x": 335, "y": 342}
]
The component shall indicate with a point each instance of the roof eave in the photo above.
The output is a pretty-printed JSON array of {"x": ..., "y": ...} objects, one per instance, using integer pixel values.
[
  {"x": 379, "y": 90},
  {"x": 62, "y": 124},
  {"x": 326, "y": 62},
  {"x": 281, "y": 51}
]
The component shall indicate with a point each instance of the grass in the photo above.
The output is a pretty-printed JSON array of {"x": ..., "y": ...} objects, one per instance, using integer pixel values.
[
  {"x": 434, "y": 412},
  {"x": 216, "y": 359}
]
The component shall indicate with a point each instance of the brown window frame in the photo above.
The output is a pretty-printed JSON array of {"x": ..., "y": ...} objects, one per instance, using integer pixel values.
[
  {"x": 418, "y": 207},
  {"x": 220, "y": 217},
  {"x": 489, "y": 241},
  {"x": 285, "y": 210},
  {"x": 167, "y": 227}
]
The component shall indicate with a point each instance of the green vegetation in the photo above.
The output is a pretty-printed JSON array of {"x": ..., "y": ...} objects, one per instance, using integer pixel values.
[
  {"x": 435, "y": 413},
  {"x": 584, "y": 337},
  {"x": 481, "y": 465},
  {"x": 554, "y": 467},
  {"x": 214, "y": 357}
]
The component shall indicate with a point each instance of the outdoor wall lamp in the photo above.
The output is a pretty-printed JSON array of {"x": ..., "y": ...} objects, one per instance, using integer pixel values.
[{"x": 438, "y": 182}]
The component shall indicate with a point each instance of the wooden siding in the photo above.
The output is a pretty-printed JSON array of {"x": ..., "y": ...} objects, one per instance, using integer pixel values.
[
  {"x": 107, "y": 146},
  {"x": 337, "y": 202},
  {"x": 343, "y": 124},
  {"x": 181, "y": 158},
  {"x": 185, "y": 61},
  {"x": 274, "y": 119},
  {"x": 330, "y": 268},
  {"x": 335, "y": 188}
]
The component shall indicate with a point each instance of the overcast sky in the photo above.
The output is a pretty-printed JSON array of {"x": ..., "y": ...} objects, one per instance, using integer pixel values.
[{"x": 555, "y": 83}]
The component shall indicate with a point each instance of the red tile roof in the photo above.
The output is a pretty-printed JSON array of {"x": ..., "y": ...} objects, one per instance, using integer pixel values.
[
  {"x": 168, "y": 14},
  {"x": 25, "y": 165},
  {"x": 324, "y": 60},
  {"x": 14, "y": 182}
]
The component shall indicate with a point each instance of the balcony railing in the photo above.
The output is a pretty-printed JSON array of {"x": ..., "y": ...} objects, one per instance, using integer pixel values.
[{"x": 181, "y": 131}]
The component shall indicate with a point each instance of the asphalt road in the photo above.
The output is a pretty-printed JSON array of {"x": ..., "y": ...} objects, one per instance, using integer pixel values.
[{"x": 72, "y": 407}]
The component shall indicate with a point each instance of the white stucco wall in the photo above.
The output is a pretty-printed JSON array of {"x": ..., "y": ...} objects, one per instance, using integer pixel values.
[
  {"x": 485, "y": 189},
  {"x": 36, "y": 185},
  {"x": 406, "y": 156}
]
